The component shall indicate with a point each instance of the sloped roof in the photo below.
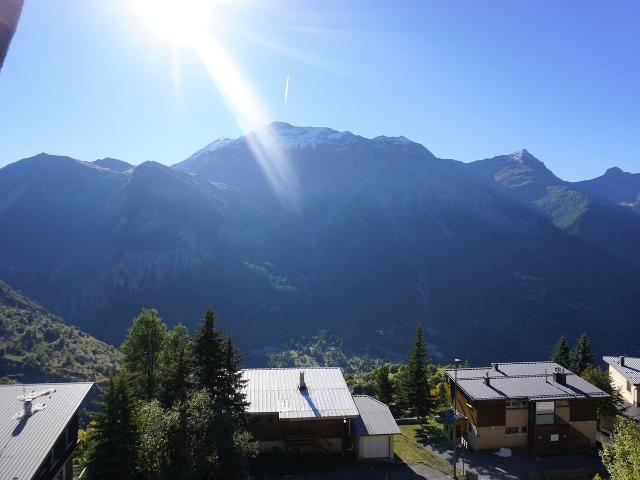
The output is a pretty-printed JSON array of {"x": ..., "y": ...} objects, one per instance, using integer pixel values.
[
  {"x": 25, "y": 443},
  {"x": 275, "y": 390},
  {"x": 375, "y": 417},
  {"x": 531, "y": 380},
  {"x": 630, "y": 370}
]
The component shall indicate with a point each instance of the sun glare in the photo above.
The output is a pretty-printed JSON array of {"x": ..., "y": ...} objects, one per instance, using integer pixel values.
[
  {"x": 176, "y": 21},
  {"x": 186, "y": 23}
]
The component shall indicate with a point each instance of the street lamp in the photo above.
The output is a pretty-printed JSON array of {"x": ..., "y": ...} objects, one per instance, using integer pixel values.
[{"x": 456, "y": 362}]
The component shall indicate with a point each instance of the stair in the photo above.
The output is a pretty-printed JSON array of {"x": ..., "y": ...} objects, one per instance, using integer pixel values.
[{"x": 316, "y": 442}]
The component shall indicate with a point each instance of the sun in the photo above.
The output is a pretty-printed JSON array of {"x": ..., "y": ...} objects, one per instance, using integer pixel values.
[{"x": 179, "y": 22}]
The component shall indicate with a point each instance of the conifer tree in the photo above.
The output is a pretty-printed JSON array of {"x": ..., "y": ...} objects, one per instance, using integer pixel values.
[
  {"x": 208, "y": 359},
  {"x": 175, "y": 366},
  {"x": 141, "y": 349},
  {"x": 562, "y": 353},
  {"x": 114, "y": 437},
  {"x": 414, "y": 392},
  {"x": 231, "y": 394},
  {"x": 582, "y": 357},
  {"x": 384, "y": 387}
]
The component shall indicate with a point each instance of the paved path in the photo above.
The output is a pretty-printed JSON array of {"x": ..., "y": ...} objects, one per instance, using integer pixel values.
[{"x": 395, "y": 471}]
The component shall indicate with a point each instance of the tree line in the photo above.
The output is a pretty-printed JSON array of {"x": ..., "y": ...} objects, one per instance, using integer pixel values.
[{"x": 175, "y": 410}]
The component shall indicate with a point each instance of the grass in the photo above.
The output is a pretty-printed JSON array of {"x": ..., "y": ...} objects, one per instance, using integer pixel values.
[{"x": 409, "y": 445}]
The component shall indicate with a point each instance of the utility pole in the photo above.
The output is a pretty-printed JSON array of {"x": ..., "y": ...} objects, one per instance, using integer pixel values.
[{"x": 456, "y": 362}]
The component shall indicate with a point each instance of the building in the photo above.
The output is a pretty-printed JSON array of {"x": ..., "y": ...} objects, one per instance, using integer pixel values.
[
  {"x": 373, "y": 431},
  {"x": 299, "y": 410},
  {"x": 625, "y": 377},
  {"x": 537, "y": 406},
  {"x": 39, "y": 430}
]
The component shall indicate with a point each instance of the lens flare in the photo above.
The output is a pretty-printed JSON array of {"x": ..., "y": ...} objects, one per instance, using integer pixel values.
[{"x": 185, "y": 23}]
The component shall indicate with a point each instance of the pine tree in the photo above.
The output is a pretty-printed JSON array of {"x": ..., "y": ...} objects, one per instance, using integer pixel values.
[
  {"x": 582, "y": 357},
  {"x": 231, "y": 393},
  {"x": 141, "y": 349},
  {"x": 384, "y": 387},
  {"x": 414, "y": 392},
  {"x": 562, "y": 353},
  {"x": 611, "y": 406},
  {"x": 231, "y": 438},
  {"x": 207, "y": 355},
  {"x": 175, "y": 366},
  {"x": 114, "y": 438}
]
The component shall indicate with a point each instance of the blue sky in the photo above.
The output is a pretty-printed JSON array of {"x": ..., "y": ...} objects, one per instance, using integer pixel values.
[{"x": 468, "y": 79}]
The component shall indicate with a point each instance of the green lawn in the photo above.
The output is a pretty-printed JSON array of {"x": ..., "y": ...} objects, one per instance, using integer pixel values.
[{"x": 409, "y": 449}]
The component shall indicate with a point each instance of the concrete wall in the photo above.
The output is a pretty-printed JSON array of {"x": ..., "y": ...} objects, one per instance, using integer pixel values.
[
  {"x": 619, "y": 382},
  {"x": 268, "y": 446}
]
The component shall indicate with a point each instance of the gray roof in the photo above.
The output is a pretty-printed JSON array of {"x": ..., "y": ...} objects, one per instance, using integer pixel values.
[
  {"x": 275, "y": 390},
  {"x": 25, "y": 443},
  {"x": 630, "y": 370},
  {"x": 531, "y": 380},
  {"x": 447, "y": 416},
  {"x": 375, "y": 417}
]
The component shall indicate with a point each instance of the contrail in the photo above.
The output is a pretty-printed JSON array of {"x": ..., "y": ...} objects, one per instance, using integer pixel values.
[{"x": 286, "y": 90}]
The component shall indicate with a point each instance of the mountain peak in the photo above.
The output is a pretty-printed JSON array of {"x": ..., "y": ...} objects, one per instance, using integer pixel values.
[
  {"x": 113, "y": 164},
  {"x": 614, "y": 171}
]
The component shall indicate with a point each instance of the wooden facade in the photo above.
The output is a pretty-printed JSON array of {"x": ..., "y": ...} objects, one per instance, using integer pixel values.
[
  {"x": 491, "y": 424},
  {"x": 315, "y": 436}
]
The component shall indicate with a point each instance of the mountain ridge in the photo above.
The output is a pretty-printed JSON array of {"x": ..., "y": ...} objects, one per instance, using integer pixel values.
[{"x": 386, "y": 235}]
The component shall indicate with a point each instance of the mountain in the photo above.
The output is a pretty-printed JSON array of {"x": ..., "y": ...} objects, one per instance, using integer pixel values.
[
  {"x": 570, "y": 206},
  {"x": 615, "y": 186},
  {"x": 113, "y": 164},
  {"x": 361, "y": 237},
  {"x": 37, "y": 346}
]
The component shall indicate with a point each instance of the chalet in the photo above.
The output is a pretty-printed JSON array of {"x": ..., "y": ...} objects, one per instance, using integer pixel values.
[
  {"x": 299, "y": 410},
  {"x": 537, "y": 406},
  {"x": 310, "y": 410},
  {"x": 625, "y": 377},
  {"x": 39, "y": 430}
]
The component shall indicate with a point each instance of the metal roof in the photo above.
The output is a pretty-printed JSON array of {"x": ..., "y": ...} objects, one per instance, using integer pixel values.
[
  {"x": 25, "y": 443},
  {"x": 531, "y": 380},
  {"x": 630, "y": 370},
  {"x": 275, "y": 390},
  {"x": 375, "y": 417},
  {"x": 447, "y": 416}
]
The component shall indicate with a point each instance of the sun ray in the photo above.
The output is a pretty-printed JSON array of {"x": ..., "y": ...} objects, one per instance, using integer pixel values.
[{"x": 185, "y": 23}]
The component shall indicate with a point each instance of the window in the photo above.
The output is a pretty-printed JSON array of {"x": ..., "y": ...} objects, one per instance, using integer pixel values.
[
  {"x": 545, "y": 413},
  {"x": 628, "y": 386},
  {"x": 562, "y": 403},
  {"x": 511, "y": 431},
  {"x": 524, "y": 429},
  {"x": 517, "y": 403}
]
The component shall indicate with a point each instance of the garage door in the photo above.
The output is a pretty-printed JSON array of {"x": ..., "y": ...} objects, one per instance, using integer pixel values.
[{"x": 375, "y": 447}]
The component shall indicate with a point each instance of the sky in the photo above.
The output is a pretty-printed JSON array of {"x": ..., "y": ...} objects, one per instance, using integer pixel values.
[{"x": 467, "y": 79}]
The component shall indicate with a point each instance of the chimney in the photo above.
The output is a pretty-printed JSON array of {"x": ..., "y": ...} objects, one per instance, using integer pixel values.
[
  {"x": 560, "y": 376},
  {"x": 302, "y": 385},
  {"x": 496, "y": 366},
  {"x": 487, "y": 380},
  {"x": 621, "y": 360}
]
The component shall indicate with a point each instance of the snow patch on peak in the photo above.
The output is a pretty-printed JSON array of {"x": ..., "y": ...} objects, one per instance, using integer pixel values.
[
  {"x": 215, "y": 145},
  {"x": 289, "y": 137}
]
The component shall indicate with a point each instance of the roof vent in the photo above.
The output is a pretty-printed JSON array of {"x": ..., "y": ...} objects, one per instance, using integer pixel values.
[
  {"x": 302, "y": 385},
  {"x": 487, "y": 380},
  {"x": 28, "y": 407},
  {"x": 560, "y": 376},
  {"x": 496, "y": 366},
  {"x": 621, "y": 360}
]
